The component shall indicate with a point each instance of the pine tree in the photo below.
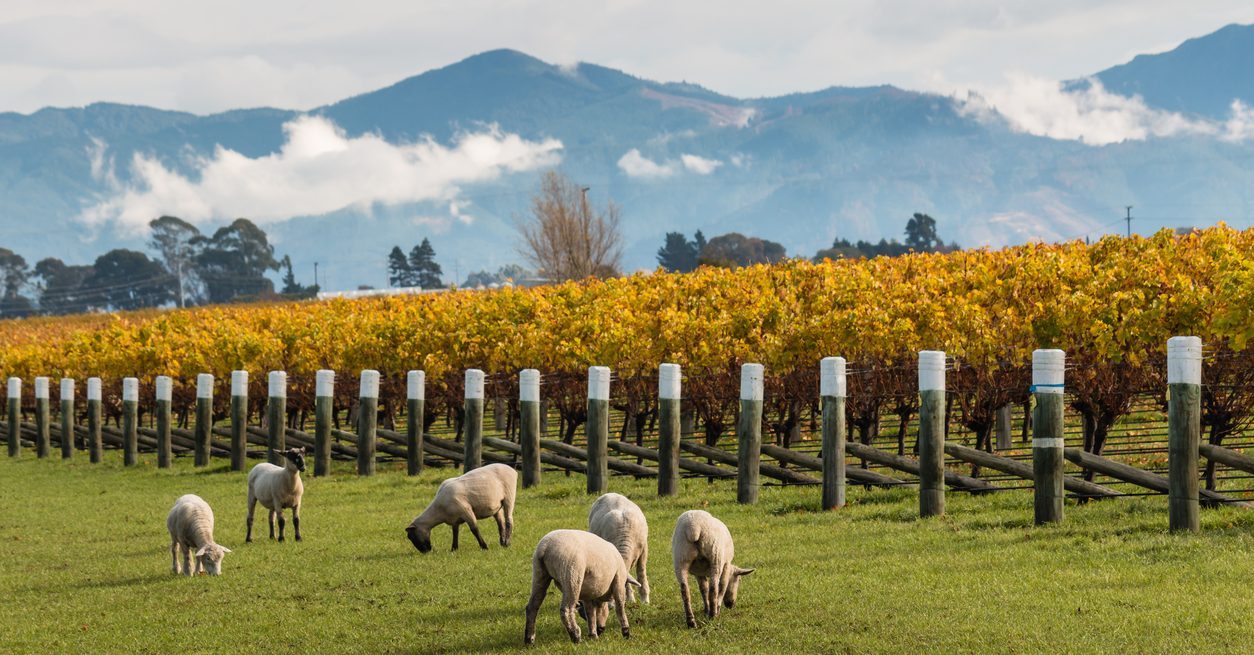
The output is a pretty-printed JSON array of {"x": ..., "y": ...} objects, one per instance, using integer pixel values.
[
  {"x": 423, "y": 266},
  {"x": 400, "y": 274},
  {"x": 678, "y": 254}
]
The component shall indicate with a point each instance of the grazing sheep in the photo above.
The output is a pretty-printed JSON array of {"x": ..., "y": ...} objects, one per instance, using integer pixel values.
[
  {"x": 616, "y": 519},
  {"x": 586, "y": 568},
  {"x": 277, "y": 488},
  {"x": 478, "y": 494},
  {"x": 702, "y": 545},
  {"x": 190, "y": 523}
]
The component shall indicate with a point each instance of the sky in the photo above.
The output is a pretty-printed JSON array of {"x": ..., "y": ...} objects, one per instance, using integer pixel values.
[{"x": 208, "y": 57}]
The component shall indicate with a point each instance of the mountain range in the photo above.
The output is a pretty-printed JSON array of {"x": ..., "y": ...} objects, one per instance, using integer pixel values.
[{"x": 801, "y": 169}]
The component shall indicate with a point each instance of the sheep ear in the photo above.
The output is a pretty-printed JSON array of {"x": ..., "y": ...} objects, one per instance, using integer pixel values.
[
  {"x": 201, "y": 551},
  {"x": 633, "y": 582},
  {"x": 225, "y": 549},
  {"x": 740, "y": 571}
]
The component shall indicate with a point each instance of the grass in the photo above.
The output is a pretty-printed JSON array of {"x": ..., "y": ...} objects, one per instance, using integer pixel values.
[{"x": 84, "y": 567}]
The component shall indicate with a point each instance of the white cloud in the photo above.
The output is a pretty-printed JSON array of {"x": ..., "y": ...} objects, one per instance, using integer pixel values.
[
  {"x": 635, "y": 164},
  {"x": 699, "y": 165},
  {"x": 317, "y": 171},
  {"x": 1240, "y": 123}
]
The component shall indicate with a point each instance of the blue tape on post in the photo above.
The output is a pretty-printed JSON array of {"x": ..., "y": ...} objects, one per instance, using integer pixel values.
[{"x": 1033, "y": 388}]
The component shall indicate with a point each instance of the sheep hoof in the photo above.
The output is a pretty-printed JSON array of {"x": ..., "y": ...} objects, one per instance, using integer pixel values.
[
  {"x": 692, "y": 623},
  {"x": 626, "y": 633}
]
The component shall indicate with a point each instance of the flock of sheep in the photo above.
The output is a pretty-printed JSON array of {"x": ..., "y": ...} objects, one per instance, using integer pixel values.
[{"x": 591, "y": 568}]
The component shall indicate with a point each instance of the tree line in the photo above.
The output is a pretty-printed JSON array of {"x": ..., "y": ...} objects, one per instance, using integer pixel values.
[{"x": 188, "y": 268}]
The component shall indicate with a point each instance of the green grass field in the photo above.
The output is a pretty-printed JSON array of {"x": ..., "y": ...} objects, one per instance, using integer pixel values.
[{"x": 84, "y": 567}]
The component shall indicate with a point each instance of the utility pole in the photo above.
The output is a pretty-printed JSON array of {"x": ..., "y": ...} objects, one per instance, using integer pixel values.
[
  {"x": 1129, "y": 220},
  {"x": 315, "y": 274}
]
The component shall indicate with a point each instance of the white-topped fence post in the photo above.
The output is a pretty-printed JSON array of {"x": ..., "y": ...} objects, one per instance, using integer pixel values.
[
  {"x": 276, "y": 417},
  {"x": 15, "y": 416},
  {"x": 832, "y": 394},
  {"x": 42, "y": 419},
  {"x": 130, "y": 421},
  {"x": 164, "y": 393},
  {"x": 367, "y": 421},
  {"x": 669, "y": 392},
  {"x": 598, "y": 429},
  {"x": 239, "y": 419},
  {"x": 95, "y": 441},
  {"x": 1048, "y": 372},
  {"x": 931, "y": 433},
  {"x": 324, "y": 403},
  {"x": 67, "y": 418},
  {"x": 529, "y": 425},
  {"x": 749, "y": 434},
  {"x": 202, "y": 433},
  {"x": 415, "y": 419},
  {"x": 1184, "y": 430},
  {"x": 472, "y": 423}
]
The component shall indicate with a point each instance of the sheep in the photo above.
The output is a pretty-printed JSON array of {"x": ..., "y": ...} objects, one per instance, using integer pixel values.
[
  {"x": 616, "y": 519},
  {"x": 586, "y": 568},
  {"x": 478, "y": 494},
  {"x": 277, "y": 488},
  {"x": 702, "y": 545},
  {"x": 190, "y": 523}
]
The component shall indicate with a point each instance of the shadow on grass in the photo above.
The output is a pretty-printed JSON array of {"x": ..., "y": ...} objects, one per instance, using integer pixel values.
[{"x": 116, "y": 583}]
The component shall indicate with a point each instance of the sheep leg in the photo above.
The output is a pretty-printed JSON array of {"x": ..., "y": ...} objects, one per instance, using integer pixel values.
[
  {"x": 570, "y": 596},
  {"x": 703, "y": 584},
  {"x": 282, "y": 524},
  {"x": 716, "y": 596},
  {"x": 187, "y": 561},
  {"x": 252, "y": 505},
  {"x": 681, "y": 574},
  {"x": 500, "y": 527},
  {"x": 507, "y": 508},
  {"x": 457, "y": 529},
  {"x": 296, "y": 521},
  {"x": 272, "y": 524},
  {"x": 174, "y": 557},
  {"x": 474, "y": 529},
  {"x": 620, "y": 608},
  {"x": 540, "y": 580},
  {"x": 642, "y": 576}
]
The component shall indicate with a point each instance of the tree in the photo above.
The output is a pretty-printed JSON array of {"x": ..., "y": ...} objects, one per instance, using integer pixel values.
[
  {"x": 13, "y": 276},
  {"x": 291, "y": 287},
  {"x": 679, "y": 255},
  {"x": 734, "y": 249},
  {"x": 508, "y": 274},
  {"x": 175, "y": 239},
  {"x": 565, "y": 238},
  {"x": 400, "y": 274},
  {"x": 921, "y": 234},
  {"x": 61, "y": 287},
  {"x": 127, "y": 279},
  {"x": 233, "y": 262},
  {"x": 423, "y": 267}
]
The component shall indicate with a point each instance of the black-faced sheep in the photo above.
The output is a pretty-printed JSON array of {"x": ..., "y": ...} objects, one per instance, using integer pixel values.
[
  {"x": 478, "y": 494},
  {"x": 277, "y": 488}
]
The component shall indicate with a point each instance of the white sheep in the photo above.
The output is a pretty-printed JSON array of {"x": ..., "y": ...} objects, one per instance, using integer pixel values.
[
  {"x": 277, "y": 488},
  {"x": 586, "y": 568},
  {"x": 702, "y": 545},
  {"x": 478, "y": 494},
  {"x": 190, "y": 523},
  {"x": 616, "y": 519}
]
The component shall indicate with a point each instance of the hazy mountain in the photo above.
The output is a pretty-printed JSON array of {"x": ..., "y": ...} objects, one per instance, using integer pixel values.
[{"x": 800, "y": 169}]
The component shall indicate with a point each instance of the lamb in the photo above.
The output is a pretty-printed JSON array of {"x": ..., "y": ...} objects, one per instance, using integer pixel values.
[
  {"x": 702, "y": 545},
  {"x": 586, "y": 568},
  {"x": 277, "y": 488},
  {"x": 478, "y": 494},
  {"x": 190, "y": 523},
  {"x": 616, "y": 519}
]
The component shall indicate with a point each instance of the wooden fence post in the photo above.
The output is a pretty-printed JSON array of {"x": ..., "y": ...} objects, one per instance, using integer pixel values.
[
  {"x": 42, "y": 428},
  {"x": 472, "y": 439},
  {"x": 15, "y": 416},
  {"x": 164, "y": 388},
  {"x": 749, "y": 434},
  {"x": 324, "y": 403},
  {"x": 1048, "y": 368},
  {"x": 598, "y": 428},
  {"x": 1003, "y": 428},
  {"x": 67, "y": 418},
  {"x": 239, "y": 419},
  {"x": 669, "y": 410},
  {"x": 276, "y": 417},
  {"x": 203, "y": 434},
  {"x": 931, "y": 433},
  {"x": 415, "y": 414},
  {"x": 832, "y": 392},
  {"x": 95, "y": 444},
  {"x": 367, "y": 421},
  {"x": 130, "y": 421},
  {"x": 529, "y": 425},
  {"x": 1184, "y": 427}
]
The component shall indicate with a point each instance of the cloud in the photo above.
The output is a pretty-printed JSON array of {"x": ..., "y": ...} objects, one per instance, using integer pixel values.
[
  {"x": 699, "y": 165},
  {"x": 318, "y": 170},
  {"x": 635, "y": 164},
  {"x": 1240, "y": 123}
]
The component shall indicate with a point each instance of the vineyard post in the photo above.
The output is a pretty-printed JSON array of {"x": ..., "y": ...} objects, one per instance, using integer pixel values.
[
  {"x": 42, "y": 429},
  {"x": 529, "y": 425},
  {"x": 239, "y": 419},
  {"x": 164, "y": 387},
  {"x": 276, "y": 417},
  {"x": 130, "y": 421},
  {"x": 1184, "y": 427},
  {"x": 931, "y": 433},
  {"x": 832, "y": 393},
  {"x": 1047, "y": 434},
  {"x": 324, "y": 401},
  {"x": 598, "y": 428},
  {"x": 1003, "y": 428},
  {"x": 67, "y": 418},
  {"x": 367, "y": 421},
  {"x": 669, "y": 391},
  {"x": 749, "y": 434},
  {"x": 473, "y": 424},
  {"x": 415, "y": 410},
  {"x": 204, "y": 418},
  {"x": 95, "y": 445},
  {"x": 15, "y": 417}
]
